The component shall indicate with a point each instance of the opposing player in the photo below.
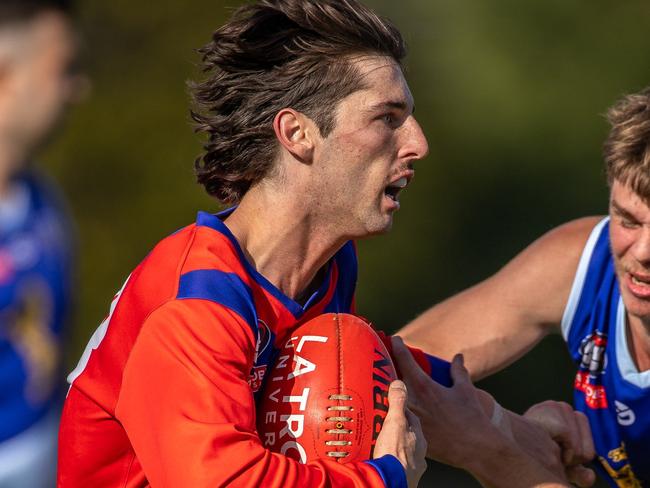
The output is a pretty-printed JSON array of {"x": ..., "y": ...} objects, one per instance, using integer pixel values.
[
  {"x": 310, "y": 131},
  {"x": 37, "y": 49},
  {"x": 590, "y": 280}
]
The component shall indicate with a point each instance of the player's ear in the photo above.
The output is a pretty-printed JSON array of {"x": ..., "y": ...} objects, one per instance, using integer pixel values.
[{"x": 296, "y": 132}]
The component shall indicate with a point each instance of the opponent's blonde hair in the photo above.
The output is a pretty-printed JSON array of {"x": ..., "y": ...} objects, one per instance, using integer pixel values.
[{"x": 627, "y": 148}]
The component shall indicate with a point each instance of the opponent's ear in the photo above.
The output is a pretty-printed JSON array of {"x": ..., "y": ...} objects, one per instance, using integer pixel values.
[{"x": 296, "y": 132}]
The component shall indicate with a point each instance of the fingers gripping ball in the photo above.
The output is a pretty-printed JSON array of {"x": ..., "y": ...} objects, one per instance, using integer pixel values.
[{"x": 327, "y": 394}]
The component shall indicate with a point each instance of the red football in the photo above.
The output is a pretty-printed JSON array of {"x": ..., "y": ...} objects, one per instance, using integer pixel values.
[{"x": 327, "y": 394}]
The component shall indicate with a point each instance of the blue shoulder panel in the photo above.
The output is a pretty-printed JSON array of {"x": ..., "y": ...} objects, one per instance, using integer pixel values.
[{"x": 226, "y": 289}]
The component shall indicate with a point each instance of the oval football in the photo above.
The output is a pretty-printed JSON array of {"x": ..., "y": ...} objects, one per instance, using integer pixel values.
[{"x": 327, "y": 394}]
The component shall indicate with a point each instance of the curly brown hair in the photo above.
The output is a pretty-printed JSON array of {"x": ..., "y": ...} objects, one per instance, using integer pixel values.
[
  {"x": 627, "y": 147},
  {"x": 271, "y": 55}
]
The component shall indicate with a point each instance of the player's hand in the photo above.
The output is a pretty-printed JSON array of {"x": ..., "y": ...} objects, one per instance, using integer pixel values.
[
  {"x": 570, "y": 429},
  {"x": 452, "y": 419},
  {"x": 461, "y": 434},
  {"x": 401, "y": 435},
  {"x": 537, "y": 443}
]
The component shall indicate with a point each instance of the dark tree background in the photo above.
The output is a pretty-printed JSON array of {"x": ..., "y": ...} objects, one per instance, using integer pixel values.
[{"x": 510, "y": 95}]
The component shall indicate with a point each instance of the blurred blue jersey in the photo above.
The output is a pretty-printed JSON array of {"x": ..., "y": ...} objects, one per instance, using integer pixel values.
[
  {"x": 35, "y": 276},
  {"x": 609, "y": 389}
]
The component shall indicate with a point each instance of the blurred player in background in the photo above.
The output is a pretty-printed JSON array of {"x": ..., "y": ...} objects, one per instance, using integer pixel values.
[
  {"x": 37, "y": 52},
  {"x": 310, "y": 132},
  {"x": 589, "y": 280}
]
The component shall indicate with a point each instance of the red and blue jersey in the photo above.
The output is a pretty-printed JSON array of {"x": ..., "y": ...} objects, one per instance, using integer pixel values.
[
  {"x": 165, "y": 393},
  {"x": 609, "y": 389}
]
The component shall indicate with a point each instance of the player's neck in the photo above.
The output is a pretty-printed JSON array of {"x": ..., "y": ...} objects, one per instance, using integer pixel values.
[
  {"x": 282, "y": 241},
  {"x": 638, "y": 340}
]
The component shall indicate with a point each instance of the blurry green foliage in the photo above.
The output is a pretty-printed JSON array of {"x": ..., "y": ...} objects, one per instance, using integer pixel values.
[{"x": 510, "y": 94}]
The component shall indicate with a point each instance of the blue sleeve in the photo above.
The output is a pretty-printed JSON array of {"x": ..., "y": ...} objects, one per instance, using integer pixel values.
[
  {"x": 440, "y": 370},
  {"x": 391, "y": 471}
]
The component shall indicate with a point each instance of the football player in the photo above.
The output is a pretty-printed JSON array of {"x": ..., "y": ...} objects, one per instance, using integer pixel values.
[
  {"x": 588, "y": 280},
  {"x": 310, "y": 135}
]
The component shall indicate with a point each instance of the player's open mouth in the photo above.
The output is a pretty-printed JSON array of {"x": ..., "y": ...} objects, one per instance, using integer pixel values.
[
  {"x": 392, "y": 191},
  {"x": 639, "y": 281},
  {"x": 639, "y": 285}
]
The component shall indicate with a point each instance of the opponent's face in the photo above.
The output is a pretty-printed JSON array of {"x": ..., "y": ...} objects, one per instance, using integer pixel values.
[
  {"x": 630, "y": 240},
  {"x": 42, "y": 82},
  {"x": 367, "y": 159}
]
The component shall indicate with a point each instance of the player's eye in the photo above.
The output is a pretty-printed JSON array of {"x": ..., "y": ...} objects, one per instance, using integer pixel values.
[
  {"x": 390, "y": 120},
  {"x": 628, "y": 223}
]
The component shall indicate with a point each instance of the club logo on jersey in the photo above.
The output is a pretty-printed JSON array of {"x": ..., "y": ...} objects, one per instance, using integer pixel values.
[
  {"x": 623, "y": 475},
  {"x": 624, "y": 415},
  {"x": 256, "y": 378},
  {"x": 592, "y": 365},
  {"x": 263, "y": 338},
  {"x": 262, "y": 350},
  {"x": 592, "y": 350}
]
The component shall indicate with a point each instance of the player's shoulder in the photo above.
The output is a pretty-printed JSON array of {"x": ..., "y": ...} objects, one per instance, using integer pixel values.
[
  {"x": 566, "y": 241},
  {"x": 576, "y": 231},
  {"x": 197, "y": 246},
  {"x": 156, "y": 279},
  {"x": 200, "y": 261},
  {"x": 550, "y": 263}
]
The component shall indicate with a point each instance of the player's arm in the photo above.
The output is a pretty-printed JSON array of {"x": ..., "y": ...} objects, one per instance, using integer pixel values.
[
  {"x": 552, "y": 433},
  {"x": 460, "y": 430},
  {"x": 189, "y": 412},
  {"x": 498, "y": 320}
]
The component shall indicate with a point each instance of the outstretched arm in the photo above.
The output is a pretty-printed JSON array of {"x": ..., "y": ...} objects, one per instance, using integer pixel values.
[
  {"x": 460, "y": 427},
  {"x": 498, "y": 320}
]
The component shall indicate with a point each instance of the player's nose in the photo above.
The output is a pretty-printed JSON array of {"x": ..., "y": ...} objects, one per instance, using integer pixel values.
[
  {"x": 415, "y": 143},
  {"x": 641, "y": 248}
]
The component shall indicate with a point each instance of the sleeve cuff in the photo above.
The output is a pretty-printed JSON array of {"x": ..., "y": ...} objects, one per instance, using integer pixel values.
[
  {"x": 440, "y": 370},
  {"x": 391, "y": 471}
]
